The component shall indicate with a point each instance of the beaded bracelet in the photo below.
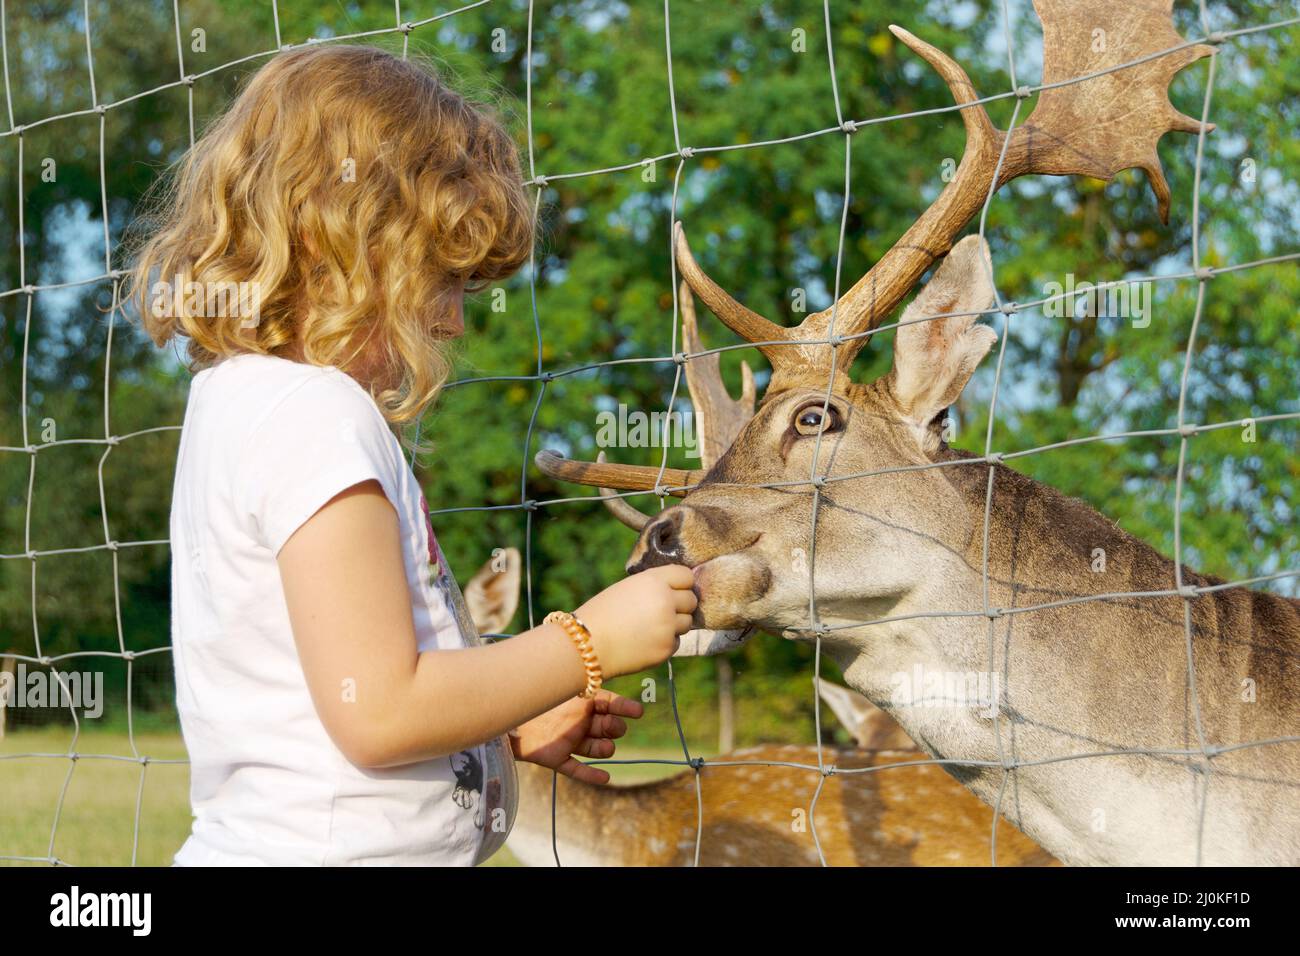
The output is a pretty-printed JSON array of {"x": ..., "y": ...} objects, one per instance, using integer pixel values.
[{"x": 582, "y": 639}]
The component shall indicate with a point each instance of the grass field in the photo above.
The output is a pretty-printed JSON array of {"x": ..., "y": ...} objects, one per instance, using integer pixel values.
[{"x": 96, "y": 825}]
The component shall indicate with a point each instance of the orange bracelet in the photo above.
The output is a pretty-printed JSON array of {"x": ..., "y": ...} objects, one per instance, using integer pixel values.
[{"x": 581, "y": 637}]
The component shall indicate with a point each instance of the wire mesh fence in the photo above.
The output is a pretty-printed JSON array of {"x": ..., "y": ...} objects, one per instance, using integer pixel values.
[{"x": 818, "y": 480}]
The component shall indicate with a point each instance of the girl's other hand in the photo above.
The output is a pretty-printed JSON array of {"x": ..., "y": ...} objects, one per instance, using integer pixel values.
[{"x": 576, "y": 728}]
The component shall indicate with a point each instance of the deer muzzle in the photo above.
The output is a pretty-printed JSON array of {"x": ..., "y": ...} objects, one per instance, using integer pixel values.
[{"x": 660, "y": 543}]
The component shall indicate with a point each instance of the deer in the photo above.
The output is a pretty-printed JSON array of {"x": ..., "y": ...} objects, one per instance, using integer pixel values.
[
  {"x": 1119, "y": 729},
  {"x": 749, "y": 806}
]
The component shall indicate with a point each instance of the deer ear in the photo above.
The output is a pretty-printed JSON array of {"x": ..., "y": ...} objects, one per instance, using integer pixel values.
[
  {"x": 934, "y": 360},
  {"x": 492, "y": 594}
]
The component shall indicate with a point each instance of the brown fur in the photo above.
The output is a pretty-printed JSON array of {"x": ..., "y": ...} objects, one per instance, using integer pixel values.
[{"x": 757, "y": 816}]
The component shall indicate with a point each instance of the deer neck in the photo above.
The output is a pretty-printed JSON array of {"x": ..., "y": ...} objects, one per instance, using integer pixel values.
[{"x": 1095, "y": 675}]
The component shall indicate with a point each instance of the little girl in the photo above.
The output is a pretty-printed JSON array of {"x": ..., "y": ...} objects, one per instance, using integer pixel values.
[{"x": 336, "y": 703}]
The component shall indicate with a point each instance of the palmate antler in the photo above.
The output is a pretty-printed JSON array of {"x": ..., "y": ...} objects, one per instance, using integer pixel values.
[{"x": 1093, "y": 127}]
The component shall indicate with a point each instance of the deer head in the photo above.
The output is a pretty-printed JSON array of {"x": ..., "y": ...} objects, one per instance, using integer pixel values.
[{"x": 744, "y": 524}]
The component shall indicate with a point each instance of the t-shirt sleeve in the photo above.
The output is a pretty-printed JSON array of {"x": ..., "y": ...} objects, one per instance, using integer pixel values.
[{"x": 322, "y": 438}]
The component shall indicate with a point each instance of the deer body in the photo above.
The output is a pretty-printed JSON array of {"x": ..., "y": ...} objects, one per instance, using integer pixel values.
[
  {"x": 756, "y": 815},
  {"x": 756, "y": 809}
]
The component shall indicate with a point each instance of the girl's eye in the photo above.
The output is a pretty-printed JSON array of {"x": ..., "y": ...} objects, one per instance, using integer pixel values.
[{"x": 813, "y": 418}]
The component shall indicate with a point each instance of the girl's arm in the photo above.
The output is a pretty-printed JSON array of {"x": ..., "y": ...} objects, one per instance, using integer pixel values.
[{"x": 385, "y": 704}]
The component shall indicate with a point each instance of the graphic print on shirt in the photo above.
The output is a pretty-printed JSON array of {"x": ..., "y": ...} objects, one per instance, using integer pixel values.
[
  {"x": 479, "y": 789},
  {"x": 469, "y": 783}
]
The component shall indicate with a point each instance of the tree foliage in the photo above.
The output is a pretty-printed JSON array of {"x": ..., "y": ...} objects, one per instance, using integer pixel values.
[{"x": 764, "y": 221}]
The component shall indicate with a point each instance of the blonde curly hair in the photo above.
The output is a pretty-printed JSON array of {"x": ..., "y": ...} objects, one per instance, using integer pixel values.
[{"x": 354, "y": 192}]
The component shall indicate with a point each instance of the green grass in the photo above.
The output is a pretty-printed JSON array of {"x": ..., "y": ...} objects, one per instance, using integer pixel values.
[
  {"x": 96, "y": 820},
  {"x": 96, "y": 824}
]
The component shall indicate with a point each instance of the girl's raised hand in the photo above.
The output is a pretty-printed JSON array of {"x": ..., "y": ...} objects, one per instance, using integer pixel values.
[{"x": 636, "y": 623}]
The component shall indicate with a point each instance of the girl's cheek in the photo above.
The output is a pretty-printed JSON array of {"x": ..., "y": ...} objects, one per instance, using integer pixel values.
[{"x": 454, "y": 322}]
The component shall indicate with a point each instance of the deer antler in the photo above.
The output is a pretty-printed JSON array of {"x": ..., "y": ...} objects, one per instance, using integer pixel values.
[
  {"x": 622, "y": 477},
  {"x": 1111, "y": 120},
  {"x": 718, "y": 419},
  {"x": 1093, "y": 127},
  {"x": 620, "y": 508}
]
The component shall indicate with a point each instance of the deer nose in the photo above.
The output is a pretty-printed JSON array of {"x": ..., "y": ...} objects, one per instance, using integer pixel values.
[{"x": 660, "y": 543}]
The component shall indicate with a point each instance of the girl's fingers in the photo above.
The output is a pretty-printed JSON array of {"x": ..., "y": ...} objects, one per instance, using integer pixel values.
[
  {"x": 608, "y": 702},
  {"x": 685, "y": 601},
  {"x": 595, "y": 748},
  {"x": 607, "y": 726},
  {"x": 677, "y": 576},
  {"x": 582, "y": 773},
  {"x": 684, "y": 623}
]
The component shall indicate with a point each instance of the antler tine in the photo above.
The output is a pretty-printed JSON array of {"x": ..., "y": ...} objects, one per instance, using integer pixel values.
[
  {"x": 878, "y": 292},
  {"x": 980, "y": 131},
  {"x": 620, "y": 508},
  {"x": 623, "y": 477},
  {"x": 741, "y": 319},
  {"x": 718, "y": 417}
]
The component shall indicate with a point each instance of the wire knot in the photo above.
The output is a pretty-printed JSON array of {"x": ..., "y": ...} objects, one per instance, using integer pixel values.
[
  {"x": 1010, "y": 308},
  {"x": 530, "y": 504},
  {"x": 1187, "y": 591},
  {"x": 679, "y": 358},
  {"x": 686, "y": 152},
  {"x": 849, "y": 126},
  {"x": 1204, "y": 274},
  {"x": 994, "y": 457},
  {"x": 1023, "y": 92},
  {"x": 1188, "y": 431},
  {"x": 540, "y": 181}
]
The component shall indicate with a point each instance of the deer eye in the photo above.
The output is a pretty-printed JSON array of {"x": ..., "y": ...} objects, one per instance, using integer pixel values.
[{"x": 810, "y": 419}]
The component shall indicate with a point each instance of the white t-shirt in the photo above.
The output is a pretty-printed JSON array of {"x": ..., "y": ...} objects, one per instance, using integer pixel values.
[{"x": 266, "y": 442}]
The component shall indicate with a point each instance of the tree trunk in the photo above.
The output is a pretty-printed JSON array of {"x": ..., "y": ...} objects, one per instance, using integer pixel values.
[
  {"x": 7, "y": 667},
  {"x": 726, "y": 707}
]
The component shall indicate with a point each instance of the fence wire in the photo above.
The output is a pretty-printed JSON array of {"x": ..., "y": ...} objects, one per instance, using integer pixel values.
[{"x": 542, "y": 377}]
